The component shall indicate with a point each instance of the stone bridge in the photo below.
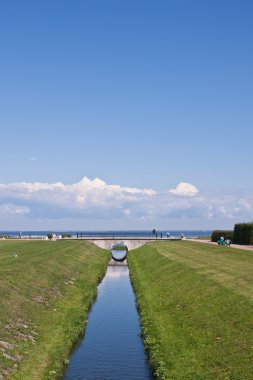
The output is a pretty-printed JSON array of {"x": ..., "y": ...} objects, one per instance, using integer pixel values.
[{"x": 130, "y": 243}]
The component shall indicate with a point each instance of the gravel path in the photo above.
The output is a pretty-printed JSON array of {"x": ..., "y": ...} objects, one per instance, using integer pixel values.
[{"x": 246, "y": 247}]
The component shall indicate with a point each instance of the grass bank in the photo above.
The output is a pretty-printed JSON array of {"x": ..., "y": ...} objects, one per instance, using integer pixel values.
[
  {"x": 46, "y": 291},
  {"x": 196, "y": 307}
]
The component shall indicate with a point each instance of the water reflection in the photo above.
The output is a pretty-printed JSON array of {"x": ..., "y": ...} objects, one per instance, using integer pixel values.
[
  {"x": 112, "y": 348},
  {"x": 119, "y": 251},
  {"x": 119, "y": 254},
  {"x": 115, "y": 272}
]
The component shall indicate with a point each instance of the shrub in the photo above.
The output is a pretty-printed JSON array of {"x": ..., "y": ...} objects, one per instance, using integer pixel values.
[
  {"x": 66, "y": 235},
  {"x": 243, "y": 233},
  {"x": 50, "y": 236},
  {"x": 227, "y": 234}
]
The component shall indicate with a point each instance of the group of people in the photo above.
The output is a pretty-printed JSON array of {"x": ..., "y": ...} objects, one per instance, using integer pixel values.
[{"x": 223, "y": 241}]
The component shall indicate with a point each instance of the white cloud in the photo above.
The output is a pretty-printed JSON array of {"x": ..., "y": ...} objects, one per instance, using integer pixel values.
[
  {"x": 79, "y": 195},
  {"x": 185, "y": 189},
  {"x": 227, "y": 213},
  {"x": 245, "y": 203},
  {"x": 33, "y": 158},
  {"x": 92, "y": 200},
  {"x": 9, "y": 209}
]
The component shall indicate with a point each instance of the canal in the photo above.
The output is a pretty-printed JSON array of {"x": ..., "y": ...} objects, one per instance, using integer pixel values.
[{"x": 112, "y": 348}]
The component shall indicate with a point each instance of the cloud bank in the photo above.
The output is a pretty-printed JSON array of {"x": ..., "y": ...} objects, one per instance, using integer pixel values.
[{"x": 33, "y": 203}]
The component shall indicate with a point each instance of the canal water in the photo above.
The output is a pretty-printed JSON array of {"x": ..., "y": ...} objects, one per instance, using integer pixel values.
[{"x": 112, "y": 348}]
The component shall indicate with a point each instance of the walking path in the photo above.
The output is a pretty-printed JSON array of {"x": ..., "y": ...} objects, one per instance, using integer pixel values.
[{"x": 246, "y": 247}]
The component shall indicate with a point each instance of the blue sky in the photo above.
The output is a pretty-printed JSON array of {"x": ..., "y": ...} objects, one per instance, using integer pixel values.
[{"x": 139, "y": 94}]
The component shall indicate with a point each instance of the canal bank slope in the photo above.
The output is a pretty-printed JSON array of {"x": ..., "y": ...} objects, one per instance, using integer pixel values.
[
  {"x": 46, "y": 289},
  {"x": 196, "y": 307}
]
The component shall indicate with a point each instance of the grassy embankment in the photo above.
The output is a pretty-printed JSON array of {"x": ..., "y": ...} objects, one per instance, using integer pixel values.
[
  {"x": 46, "y": 291},
  {"x": 196, "y": 308}
]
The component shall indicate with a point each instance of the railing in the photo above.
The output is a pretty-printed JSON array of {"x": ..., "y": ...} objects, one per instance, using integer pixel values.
[{"x": 120, "y": 234}]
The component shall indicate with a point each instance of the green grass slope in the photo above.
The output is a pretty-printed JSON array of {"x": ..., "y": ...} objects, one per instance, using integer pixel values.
[
  {"x": 196, "y": 307},
  {"x": 46, "y": 291}
]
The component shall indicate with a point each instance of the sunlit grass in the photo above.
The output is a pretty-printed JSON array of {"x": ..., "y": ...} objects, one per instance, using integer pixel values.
[
  {"x": 196, "y": 309},
  {"x": 46, "y": 291}
]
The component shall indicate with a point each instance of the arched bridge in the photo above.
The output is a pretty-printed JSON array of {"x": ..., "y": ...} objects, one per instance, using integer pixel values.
[{"x": 130, "y": 243}]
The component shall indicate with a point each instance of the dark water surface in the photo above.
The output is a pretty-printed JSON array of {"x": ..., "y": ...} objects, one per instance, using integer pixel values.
[{"x": 112, "y": 348}]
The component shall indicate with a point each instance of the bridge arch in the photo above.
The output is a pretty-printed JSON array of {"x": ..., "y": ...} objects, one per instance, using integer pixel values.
[{"x": 119, "y": 251}]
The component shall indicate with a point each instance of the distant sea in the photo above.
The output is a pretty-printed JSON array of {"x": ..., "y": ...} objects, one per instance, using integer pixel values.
[{"x": 111, "y": 233}]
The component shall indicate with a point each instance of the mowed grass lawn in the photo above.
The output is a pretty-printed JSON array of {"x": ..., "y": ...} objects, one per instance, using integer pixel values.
[
  {"x": 46, "y": 290},
  {"x": 196, "y": 307}
]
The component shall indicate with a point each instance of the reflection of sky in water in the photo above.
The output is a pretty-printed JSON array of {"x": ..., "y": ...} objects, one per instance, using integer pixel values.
[
  {"x": 112, "y": 347},
  {"x": 119, "y": 254},
  {"x": 116, "y": 271}
]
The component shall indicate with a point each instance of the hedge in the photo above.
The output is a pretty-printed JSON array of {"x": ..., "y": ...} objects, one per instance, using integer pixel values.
[
  {"x": 66, "y": 236},
  {"x": 243, "y": 233},
  {"x": 227, "y": 234}
]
